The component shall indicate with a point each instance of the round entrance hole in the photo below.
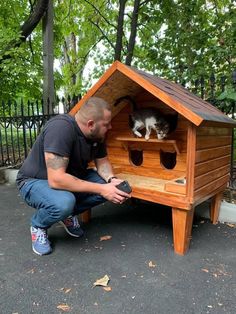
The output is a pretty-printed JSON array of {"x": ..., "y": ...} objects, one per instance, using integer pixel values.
[
  {"x": 168, "y": 160},
  {"x": 136, "y": 157}
]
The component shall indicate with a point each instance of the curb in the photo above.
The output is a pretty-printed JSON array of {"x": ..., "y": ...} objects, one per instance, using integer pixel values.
[
  {"x": 8, "y": 176},
  {"x": 227, "y": 210}
]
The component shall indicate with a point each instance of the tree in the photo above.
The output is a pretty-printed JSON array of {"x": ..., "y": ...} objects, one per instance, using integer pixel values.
[{"x": 19, "y": 59}]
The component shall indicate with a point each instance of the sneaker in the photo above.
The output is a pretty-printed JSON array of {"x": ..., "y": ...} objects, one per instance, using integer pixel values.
[
  {"x": 72, "y": 226},
  {"x": 40, "y": 242}
]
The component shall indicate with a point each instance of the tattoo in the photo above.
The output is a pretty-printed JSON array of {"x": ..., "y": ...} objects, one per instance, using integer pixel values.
[{"x": 56, "y": 162}]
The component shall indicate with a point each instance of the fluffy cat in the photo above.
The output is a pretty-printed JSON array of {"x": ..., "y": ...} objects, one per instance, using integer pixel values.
[{"x": 148, "y": 118}]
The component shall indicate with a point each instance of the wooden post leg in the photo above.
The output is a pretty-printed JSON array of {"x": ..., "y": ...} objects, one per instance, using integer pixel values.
[
  {"x": 85, "y": 216},
  {"x": 182, "y": 221},
  {"x": 215, "y": 207}
]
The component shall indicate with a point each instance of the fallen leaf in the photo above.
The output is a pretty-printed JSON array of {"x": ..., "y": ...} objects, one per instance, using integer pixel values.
[
  {"x": 205, "y": 270},
  {"x": 105, "y": 238},
  {"x": 64, "y": 307},
  {"x": 31, "y": 271},
  {"x": 151, "y": 264},
  {"x": 108, "y": 289},
  {"x": 231, "y": 225},
  {"x": 66, "y": 290},
  {"x": 102, "y": 281}
]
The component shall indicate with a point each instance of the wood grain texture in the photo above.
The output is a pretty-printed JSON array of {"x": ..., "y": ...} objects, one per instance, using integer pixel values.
[
  {"x": 182, "y": 221},
  {"x": 215, "y": 207}
]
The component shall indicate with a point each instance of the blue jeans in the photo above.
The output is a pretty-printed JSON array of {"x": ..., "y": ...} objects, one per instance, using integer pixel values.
[{"x": 55, "y": 205}]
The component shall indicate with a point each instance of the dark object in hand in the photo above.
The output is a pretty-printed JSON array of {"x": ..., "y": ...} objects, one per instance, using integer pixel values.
[{"x": 125, "y": 187}]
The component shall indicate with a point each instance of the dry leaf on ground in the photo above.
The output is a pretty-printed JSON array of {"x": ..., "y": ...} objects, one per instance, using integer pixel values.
[
  {"x": 64, "y": 307},
  {"x": 66, "y": 290},
  {"x": 231, "y": 225},
  {"x": 108, "y": 289},
  {"x": 151, "y": 264},
  {"x": 102, "y": 281},
  {"x": 105, "y": 238}
]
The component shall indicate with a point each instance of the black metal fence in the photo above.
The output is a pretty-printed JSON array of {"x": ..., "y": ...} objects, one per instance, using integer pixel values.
[{"x": 21, "y": 123}]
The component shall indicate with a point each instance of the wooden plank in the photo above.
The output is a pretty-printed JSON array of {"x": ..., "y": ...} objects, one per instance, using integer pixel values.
[
  {"x": 214, "y": 131},
  {"x": 210, "y": 165},
  {"x": 210, "y": 194},
  {"x": 212, "y": 141},
  {"x": 162, "y": 174},
  {"x": 208, "y": 189},
  {"x": 174, "y": 187},
  {"x": 191, "y": 156},
  {"x": 151, "y": 189},
  {"x": 212, "y": 153},
  {"x": 160, "y": 143},
  {"x": 210, "y": 176}
]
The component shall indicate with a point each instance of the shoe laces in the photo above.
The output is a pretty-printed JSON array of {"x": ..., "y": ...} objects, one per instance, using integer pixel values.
[
  {"x": 75, "y": 222},
  {"x": 42, "y": 236}
]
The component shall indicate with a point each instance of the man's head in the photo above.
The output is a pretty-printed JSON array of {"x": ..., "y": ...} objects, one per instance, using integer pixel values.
[{"x": 94, "y": 118}]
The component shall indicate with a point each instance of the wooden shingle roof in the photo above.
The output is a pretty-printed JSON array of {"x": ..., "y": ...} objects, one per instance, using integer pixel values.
[{"x": 120, "y": 80}]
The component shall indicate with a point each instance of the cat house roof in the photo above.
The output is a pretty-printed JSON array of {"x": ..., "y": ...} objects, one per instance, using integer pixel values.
[{"x": 122, "y": 80}]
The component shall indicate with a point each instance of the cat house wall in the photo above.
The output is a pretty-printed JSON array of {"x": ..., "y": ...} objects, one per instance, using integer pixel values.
[
  {"x": 123, "y": 156},
  {"x": 212, "y": 161}
]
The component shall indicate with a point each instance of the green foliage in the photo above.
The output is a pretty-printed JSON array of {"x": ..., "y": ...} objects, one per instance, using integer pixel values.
[{"x": 176, "y": 39}]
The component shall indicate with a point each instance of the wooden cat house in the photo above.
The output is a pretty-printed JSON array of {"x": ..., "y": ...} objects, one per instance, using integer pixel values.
[{"x": 188, "y": 167}]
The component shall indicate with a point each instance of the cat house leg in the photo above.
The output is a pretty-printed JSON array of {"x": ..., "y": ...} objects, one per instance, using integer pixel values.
[
  {"x": 182, "y": 221},
  {"x": 85, "y": 216},
  {"x": 215, "y": 207}
]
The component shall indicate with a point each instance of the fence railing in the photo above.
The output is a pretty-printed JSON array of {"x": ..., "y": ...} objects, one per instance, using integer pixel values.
[{"x": 20, "y": 125}]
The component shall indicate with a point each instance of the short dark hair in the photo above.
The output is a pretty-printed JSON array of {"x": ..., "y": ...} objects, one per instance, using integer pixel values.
[{"x": 94, "y": 108}]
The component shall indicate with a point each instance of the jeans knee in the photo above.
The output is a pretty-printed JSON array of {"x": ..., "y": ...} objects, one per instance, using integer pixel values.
[{"x": 64, "y": 207}]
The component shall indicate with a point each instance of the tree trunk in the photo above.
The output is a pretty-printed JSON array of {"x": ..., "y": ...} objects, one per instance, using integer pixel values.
[
  {"x": 133, "y": 32},
  {"x": 119, "y": 34},
  {"x": 48, "y": 59},
  {"x": 27, "y": 28}
]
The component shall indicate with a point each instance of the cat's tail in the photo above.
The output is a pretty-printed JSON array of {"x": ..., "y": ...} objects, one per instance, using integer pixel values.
[
  {"x": 127, "y": 98},
  {"x": 131, "y": 121}
]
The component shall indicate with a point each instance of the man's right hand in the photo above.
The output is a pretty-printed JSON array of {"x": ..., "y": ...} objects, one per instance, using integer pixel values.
[{"x": 112, "y": 194}]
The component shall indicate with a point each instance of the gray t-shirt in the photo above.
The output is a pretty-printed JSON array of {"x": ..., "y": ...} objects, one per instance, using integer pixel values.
[{"x": 62, "y": 136}]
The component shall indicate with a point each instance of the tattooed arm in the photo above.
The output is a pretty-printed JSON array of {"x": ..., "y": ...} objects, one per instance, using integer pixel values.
[
  {"x": 104, "y": 169},
  {"x": 59, "y": 179}
]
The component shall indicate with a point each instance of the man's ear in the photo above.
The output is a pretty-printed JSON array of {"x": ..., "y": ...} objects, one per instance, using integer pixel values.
[{"x": 90, "y": 124}]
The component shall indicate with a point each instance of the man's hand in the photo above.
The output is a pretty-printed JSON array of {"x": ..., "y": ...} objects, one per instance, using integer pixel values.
[{"x": 112, "y": 194}]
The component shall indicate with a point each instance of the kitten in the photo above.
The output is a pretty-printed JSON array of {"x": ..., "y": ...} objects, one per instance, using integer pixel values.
[{"x": 148, "y": 118}]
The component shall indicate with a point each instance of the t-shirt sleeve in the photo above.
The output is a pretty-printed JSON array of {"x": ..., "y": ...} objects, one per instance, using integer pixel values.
[
  {"x": 102, "y": 151},
  {"x": 59, "y": 137}
]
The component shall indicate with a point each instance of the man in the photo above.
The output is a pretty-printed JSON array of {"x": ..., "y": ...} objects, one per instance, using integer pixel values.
[{"x": 55, "y": 179}]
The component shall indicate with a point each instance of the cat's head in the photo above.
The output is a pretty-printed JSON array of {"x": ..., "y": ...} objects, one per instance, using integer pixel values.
[{"x": 162, "y": 130}]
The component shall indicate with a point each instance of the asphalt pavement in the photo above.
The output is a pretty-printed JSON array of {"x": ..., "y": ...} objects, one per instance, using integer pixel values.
[{"x": 145, "y": 275}]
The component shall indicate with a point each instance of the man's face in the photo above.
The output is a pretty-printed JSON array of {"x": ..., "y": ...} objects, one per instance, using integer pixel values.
[{"x": 101, "y": 127}]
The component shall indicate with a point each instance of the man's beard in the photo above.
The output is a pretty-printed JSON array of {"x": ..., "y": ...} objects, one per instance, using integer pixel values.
[{"x": 94, "y": 136}]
